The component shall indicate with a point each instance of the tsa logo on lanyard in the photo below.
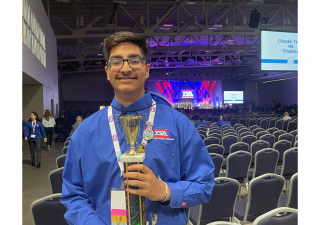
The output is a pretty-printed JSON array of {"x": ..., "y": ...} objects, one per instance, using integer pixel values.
[
  {"x": 153, "y": 109},
  {"x": 114, "y": 138},
  {"x": 110, "y": 119}
]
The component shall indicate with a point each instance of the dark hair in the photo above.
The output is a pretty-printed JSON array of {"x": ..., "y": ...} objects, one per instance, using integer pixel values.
[
  {"x": 37, "y": 117},
  {"x": 201, "y": 117},
  {"x": 122, "y": 37},
  {"x": 47, "y": 114},
  {"x": 224, "y": 117}
]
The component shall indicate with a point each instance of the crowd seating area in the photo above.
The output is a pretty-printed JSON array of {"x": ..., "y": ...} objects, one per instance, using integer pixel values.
[{"x": 255, "y": 154}]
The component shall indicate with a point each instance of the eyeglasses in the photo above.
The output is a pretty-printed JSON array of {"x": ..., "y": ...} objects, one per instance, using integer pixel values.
[{"x": 134, "y": 63}]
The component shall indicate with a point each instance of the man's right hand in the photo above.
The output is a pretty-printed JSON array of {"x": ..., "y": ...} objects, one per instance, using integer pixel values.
[{"x": 26, "y": 138}]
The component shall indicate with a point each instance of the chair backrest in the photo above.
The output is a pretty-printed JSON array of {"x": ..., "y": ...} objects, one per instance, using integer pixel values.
[
  {"x": 225, "y": 126},
  {"x": 257, "y": 130},
  {"x": 296, "y": 138},
  {"x": 243, "y": 121},
  {"x": 47, "y": 211},
  {"x": 295, "y": 144},
  {"x": 66, "y": 143},
  {"x": 282, "y": 146},
  {"x": 215, "y": 119},
  {"x": 253, "y": 127},
  {"x": 211, "y": 140},
  {"x": 252, "y": 122},
  {"x": 65, "y": 150},
  {"x": 222, "y": 203},
  {"x": 243, "y": 130},
  {"x": 286, "y": 136},
  {"x": 202, "y": 136},
  {"x": 270, "y": 138},
  {"x": 233, "y": 121},
  {"x": 264, "y": 124},
  {"x": 265, "y": 162},
  {"x": 227, "y": 141},
  {"x": 263, "y": 195},
  {"x": 239, "y": 146},
  {"x": 257, "y": 146},
  {"x": 272, "y": 130},
  {"x": 294, "y": 133},
  {"x": 60, "y": 161},
  {"x": 272, "y": 123},
  {"x": 237, "y": 125},
  {"x": 215, "y": 135},
  {"x": 292, "y": 200},
  {"x": 55, "y": 180},
  {"x": 214, "y": 131},
  {"x": 278, "y": 133},
  {"x": 202, "y": 126},
  {"x": 217, "y": 160},
  {"x": 239, "y": 128},
  {"x": 238, "y": 164},
  {"x": 249, "y": 139},
  {"x": 202, "y": 131},
  {"x": 261, "y": 133},
  {"x": 279, "y": 124},
  {"x": 290, "y": 162},
  {"x": 245, "y": 134},
  {"x": 288, "y": 216},
  {"x": 226, "y": 132},
  {"x": 285, "y": 124},
  {"x": 216, "y": 148},
  {"x": 291, "y": 126}
]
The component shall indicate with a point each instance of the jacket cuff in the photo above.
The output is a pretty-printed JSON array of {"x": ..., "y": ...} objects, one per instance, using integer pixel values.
[{"x": 176, "y": 196}]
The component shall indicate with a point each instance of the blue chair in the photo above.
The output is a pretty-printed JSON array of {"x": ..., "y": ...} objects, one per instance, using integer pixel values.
[
  {"x": 60, "y": 161},
  {"x": 55, "y": 180},
  {"x": 211, "y": 140},
  {"x": 270, "y": 138},
  {"x": 281, "y": 147},
  {"x": 227, "y": 141},
  {"x": 239, "y": 146},
  {"x": 255, "y": 147},
  {"x": 221, "y": 204},
  {"x": 288, "y": 216},
  {"x": 215, "y": 148},
  {"x": 265, "y": 162},
  {"x": 278, "y": 133},
  {"x": 290, "y": 163},
  {"x": 292, "y": 199},
  {"x": 65, "y": 150},
  {"x": 286, "y": 136},
  {"x": 257, "y": 130},
  {"x": 217, "y": 160},
  {"x": 272, "y": 130},
  {"x": 249, "y": 139},
  {"x": 47, "y": 211},
  {"x": 263, "y": 195},
  {"x": 261, "y": 133}
]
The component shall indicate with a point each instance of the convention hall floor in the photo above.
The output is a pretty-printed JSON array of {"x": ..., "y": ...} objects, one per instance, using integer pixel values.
[{"x": 35, "y": 181}]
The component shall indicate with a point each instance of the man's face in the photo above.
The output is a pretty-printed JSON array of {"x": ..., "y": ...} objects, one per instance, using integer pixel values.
[{"x": 127, "y": 80}]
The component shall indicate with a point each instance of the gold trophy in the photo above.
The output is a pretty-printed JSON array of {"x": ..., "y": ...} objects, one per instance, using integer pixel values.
[{"x": 135, "y": 204}]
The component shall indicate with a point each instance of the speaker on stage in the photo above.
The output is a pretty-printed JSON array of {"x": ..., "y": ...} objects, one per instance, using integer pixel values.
[{"x": 254, "y": 19}]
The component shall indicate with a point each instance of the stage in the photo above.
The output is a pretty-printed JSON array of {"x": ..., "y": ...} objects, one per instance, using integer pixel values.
[{"x": 188, "y": 93}]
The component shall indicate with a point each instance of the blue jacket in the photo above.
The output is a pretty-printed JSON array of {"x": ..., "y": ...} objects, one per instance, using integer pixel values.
[
  {"x": 201, "y": 122},
  {"x": 28, "y": 130},
  {"x": 91, "y": 167},
  {"x": 222, "y": 122},
  {"x": 24, "y": 123}
]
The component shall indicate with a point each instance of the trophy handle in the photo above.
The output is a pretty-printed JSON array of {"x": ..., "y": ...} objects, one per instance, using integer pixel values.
[
  {"x": 142, "y": 116},
  {"x": 116, "y": 122}
]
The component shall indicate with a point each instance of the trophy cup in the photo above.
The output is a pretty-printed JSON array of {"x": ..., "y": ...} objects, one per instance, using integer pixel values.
[{"x": 135, "y": 204}]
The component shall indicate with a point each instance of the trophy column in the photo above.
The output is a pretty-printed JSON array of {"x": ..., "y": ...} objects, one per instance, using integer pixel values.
[{"x": 135, "y": 204}]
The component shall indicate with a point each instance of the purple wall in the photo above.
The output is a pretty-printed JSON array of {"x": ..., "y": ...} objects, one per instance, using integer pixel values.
[{"x": 285, "y": 91}]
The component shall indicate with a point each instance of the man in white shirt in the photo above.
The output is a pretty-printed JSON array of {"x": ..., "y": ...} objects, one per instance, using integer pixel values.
[{"x": 286, "y": 116}]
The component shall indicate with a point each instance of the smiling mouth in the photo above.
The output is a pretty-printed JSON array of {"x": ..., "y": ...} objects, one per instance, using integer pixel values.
[{"x": 126, "y": 78}]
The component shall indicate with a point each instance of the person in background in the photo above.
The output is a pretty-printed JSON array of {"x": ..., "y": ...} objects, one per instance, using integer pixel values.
[
  {"x": 286, "y": 116},
  {"x": 48, "y": 123},
  {"x": 32, "y": 134},
  {"x": 87, "y": 115},
  {"x": 201, "y": 122},
  {"x": 223, "y": 120},
  {"x": 76, "y": 124},
  {"x": 62, "y": 122}
]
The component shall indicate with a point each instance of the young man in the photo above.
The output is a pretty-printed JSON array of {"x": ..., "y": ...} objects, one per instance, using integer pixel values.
[{"x": 176, "y": 153}]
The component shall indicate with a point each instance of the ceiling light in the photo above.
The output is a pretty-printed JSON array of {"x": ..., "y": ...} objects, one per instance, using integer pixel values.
[
  {"x": 212, "y": 28},
  {"x": 167, "y": 25},
  {"x": 190, "y": 2},
  {"x": 217, "y": 25}
]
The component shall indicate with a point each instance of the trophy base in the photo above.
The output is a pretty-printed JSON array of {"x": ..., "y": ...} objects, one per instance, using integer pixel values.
[{"x": 133, "y": 158}]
